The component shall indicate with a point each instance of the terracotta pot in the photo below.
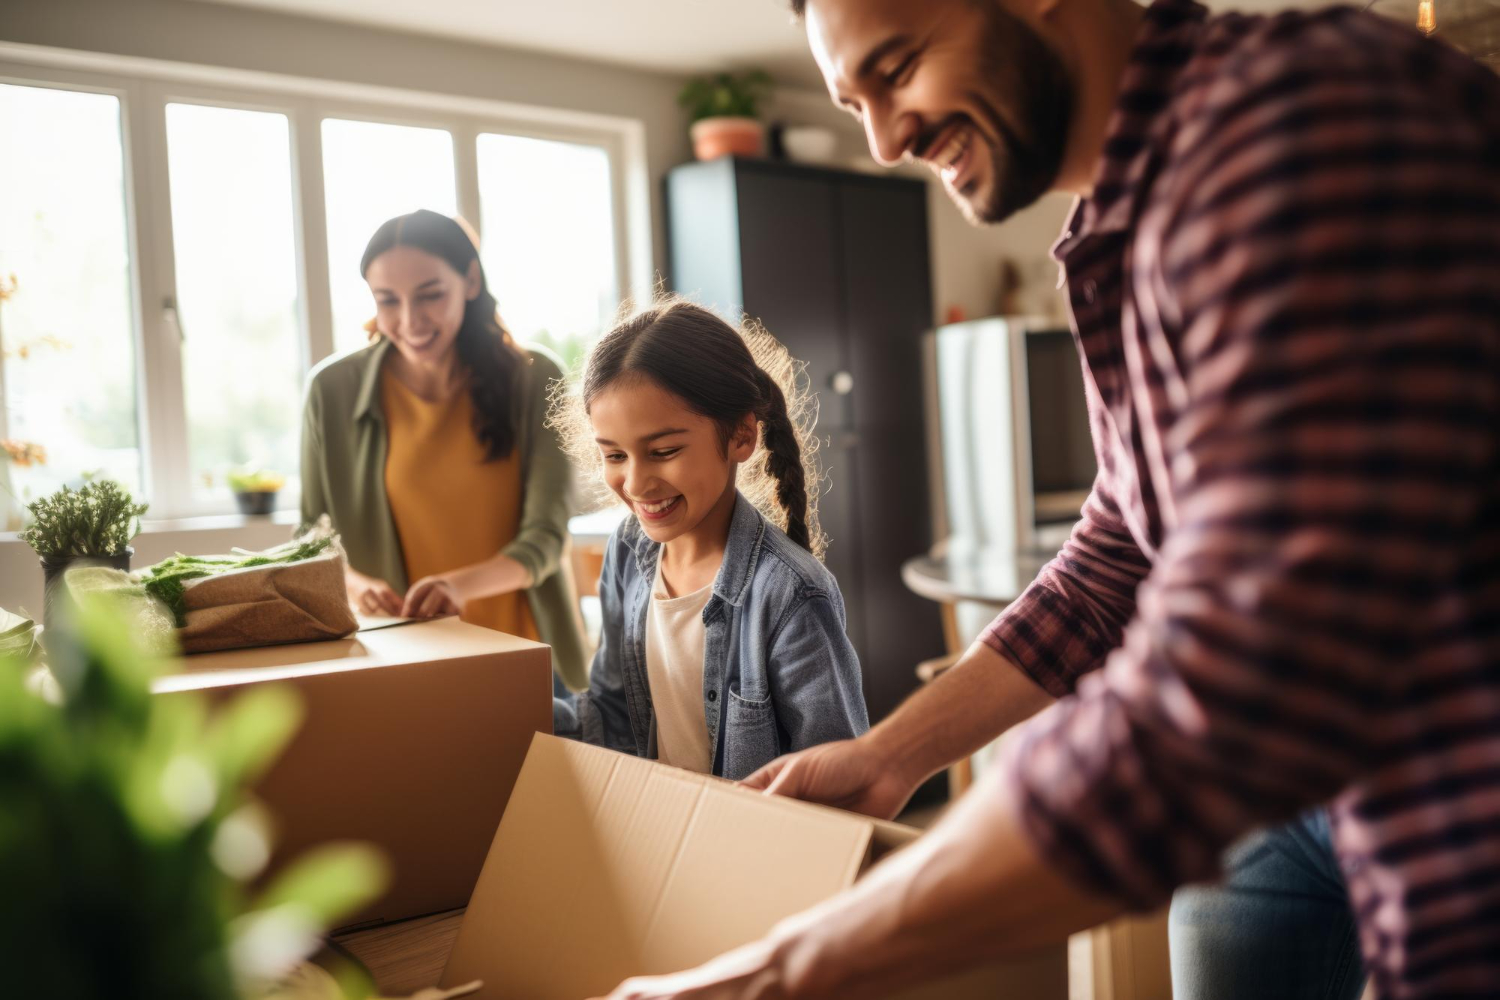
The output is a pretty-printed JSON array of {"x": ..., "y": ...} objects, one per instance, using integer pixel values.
[{"x": 715, "y": 137}]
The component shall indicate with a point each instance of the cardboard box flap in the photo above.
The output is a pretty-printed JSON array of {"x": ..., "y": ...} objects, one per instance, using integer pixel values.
[{"x": 606, "y": 866}]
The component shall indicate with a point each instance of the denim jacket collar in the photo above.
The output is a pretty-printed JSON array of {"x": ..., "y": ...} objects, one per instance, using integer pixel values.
[{"x": 741, "y": 552}]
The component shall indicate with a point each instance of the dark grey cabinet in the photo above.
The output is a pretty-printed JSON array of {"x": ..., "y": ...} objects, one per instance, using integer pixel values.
[{"x": 836, "y": 265}]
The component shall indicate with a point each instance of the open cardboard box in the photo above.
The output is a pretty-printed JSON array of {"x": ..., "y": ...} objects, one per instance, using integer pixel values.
[
  {"x": 606, "y": 866},
  {"x": 412, "y": 738}
]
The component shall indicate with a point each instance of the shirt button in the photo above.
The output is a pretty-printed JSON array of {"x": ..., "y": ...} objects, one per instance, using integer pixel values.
[
  {"x": 713, "y": 696},
  {"x": 1090, "y": 291}
]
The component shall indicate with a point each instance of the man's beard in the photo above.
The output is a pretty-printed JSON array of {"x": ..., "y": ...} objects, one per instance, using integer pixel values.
[{"x": 1025, "y": 160}]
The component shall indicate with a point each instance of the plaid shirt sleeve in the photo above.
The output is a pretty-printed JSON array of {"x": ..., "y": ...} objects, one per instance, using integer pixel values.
[
  {"x": 1322, "y": 251},
  {"x": 1075, "y": 611}
]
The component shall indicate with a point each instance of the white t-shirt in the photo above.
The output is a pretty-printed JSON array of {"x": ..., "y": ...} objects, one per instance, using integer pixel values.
[{"x": 674, "y": 667}]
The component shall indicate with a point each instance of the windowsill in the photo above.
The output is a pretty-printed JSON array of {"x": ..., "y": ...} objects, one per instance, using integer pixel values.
[
  {"x": 595, "y": 526},
  {"x": 210, "y": 522}
]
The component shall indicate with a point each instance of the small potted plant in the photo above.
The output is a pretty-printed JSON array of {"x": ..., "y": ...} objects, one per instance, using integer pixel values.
[
  {"x": 723, "y": 109},
  {"x": 255, "y": 491},
  {"x": 92, "y": 524}
]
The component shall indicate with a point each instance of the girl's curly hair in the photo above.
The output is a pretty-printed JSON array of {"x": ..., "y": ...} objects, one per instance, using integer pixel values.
[{"x": 722, "y": 372}]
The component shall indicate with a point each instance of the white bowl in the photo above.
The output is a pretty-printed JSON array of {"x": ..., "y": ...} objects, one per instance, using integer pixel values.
[{"x": 809, "y": 143}]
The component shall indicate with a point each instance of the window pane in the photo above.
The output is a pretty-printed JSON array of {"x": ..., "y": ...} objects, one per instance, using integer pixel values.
[
  {"x": 548, "y": 234},
  {"x": 67, "y": 330},
  {"x": 372, "y": 172},
  {"x": 236, "y": 253}
]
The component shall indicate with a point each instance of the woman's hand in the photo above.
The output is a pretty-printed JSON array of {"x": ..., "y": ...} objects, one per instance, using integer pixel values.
[
  {"x": 432, "y": 597},
  {"x": 370, "y": 596}
]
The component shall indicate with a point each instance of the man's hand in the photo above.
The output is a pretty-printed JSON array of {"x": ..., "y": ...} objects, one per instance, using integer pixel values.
[
  {"x": 751, "y": 972},
  {"x": 370, "y": 596},
  {"x": 849, "y": 774},
  {"x": 431, "y": 597}
]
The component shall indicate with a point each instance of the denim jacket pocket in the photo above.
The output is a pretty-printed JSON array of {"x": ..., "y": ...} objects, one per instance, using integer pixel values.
[{"x": 750, "y": 740}]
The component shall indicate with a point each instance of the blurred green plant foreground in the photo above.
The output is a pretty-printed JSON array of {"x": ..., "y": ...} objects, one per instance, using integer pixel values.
[{"x": 127, "y": 839}]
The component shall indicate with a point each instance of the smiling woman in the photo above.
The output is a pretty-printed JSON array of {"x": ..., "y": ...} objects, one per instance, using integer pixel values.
[{"x": 427, "y": 449}]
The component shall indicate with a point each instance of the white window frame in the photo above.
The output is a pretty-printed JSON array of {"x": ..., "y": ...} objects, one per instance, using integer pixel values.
[{"x": 144, "y": 87}]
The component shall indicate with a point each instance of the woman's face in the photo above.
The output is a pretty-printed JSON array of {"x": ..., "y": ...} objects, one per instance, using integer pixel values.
[
  {"x": 419, "y": 302},
  {"x": 664, "y": 460}
]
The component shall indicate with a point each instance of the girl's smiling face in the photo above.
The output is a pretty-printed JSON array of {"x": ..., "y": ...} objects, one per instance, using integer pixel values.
[{"x": 666, "y": 461}]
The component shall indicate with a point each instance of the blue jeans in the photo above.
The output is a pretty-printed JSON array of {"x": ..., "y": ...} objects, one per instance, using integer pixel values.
[{"x": 1279, "y": 924}]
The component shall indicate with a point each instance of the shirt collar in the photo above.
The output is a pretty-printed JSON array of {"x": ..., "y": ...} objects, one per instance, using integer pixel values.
[
  {"x": 741, "y": 551},
  {"x": 1167, "y": 39},
  {"x": 367, "y": 404}
]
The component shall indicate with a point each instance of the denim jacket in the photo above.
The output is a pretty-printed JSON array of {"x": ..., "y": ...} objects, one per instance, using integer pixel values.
[{"x": 779, "y": 672}]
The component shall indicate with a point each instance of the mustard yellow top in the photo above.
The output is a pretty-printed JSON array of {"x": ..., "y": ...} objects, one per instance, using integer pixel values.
[{"x": 451, "y": 507}]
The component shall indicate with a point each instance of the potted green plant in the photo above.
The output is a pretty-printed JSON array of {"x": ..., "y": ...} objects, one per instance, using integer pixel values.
[
  {"x": 91, "y": 524},
  {"x": 723, "y": 110},
  {"x": 130, "y": 846},
  {"x": 255, "y": 490}
]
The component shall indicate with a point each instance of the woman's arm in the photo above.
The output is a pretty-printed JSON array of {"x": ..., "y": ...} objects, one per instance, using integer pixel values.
[
  {"x": 366, "y": 594},
  {"x": 548, "y": 501}
]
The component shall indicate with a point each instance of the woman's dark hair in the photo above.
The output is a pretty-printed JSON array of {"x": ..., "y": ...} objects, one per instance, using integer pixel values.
[
  {"x": 484, "y": 345},
  {"x": 724, "y": 374}
]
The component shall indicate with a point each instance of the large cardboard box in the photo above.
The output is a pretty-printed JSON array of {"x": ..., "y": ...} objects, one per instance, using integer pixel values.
[
  {"x": 606, "y": 866},
  {"x": 412, "y": 740}
]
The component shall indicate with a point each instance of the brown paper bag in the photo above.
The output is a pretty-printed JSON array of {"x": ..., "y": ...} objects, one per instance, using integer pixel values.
[{"x": 266, "y": 605}]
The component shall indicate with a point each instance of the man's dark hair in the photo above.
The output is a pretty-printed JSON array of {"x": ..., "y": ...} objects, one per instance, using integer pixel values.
[{"x": 799, "y": 7}]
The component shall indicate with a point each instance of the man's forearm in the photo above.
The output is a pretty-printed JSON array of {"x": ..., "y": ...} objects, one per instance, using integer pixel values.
[
  {"x": 965, "y": 708},
  {"x": 972, "y": 889}
]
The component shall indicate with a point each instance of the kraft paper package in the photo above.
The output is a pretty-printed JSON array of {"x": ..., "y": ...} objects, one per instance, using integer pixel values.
[{"x": 290, "y": 593}]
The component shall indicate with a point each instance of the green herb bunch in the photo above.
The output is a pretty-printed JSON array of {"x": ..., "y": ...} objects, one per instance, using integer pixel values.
[
  {"x": 127, "y": 841},
  {"x": 98, "y": 520},
  {"x": 735, "y": 95},
  {"x": 166, "y": 581}
]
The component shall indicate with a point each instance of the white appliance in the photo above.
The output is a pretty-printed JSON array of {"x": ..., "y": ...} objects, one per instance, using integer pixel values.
[{"x": 1016, "y": 457}]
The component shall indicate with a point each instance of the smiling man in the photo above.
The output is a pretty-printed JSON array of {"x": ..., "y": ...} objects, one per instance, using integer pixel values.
[{"x": 1277, "y": 624}]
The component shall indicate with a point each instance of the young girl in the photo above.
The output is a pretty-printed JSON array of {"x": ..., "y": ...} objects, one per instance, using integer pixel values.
[{"x": 723, "y": 644}]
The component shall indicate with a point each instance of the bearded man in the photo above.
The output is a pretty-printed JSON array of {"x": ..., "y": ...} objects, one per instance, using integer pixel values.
[{"x": 1270, "y": 652}]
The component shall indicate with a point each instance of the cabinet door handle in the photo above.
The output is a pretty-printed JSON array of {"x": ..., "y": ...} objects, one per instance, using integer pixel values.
[{"x": 841, "y": 383}]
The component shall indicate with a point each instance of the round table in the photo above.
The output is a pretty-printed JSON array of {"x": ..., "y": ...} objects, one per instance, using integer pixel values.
[{"x": 958, "y": 572}]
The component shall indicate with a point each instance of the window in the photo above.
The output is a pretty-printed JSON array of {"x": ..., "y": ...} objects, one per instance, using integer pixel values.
[
  {"x": 548, "y": 245},
  {"x": 184, "y": 251},
  {"x": 372, "y": 172},
  {"x": 67, "y": 339},
  {"x": 233, "y": 239}
]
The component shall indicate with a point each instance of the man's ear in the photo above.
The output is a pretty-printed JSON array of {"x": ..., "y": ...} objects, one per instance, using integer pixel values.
[
  {"x": 472, "y": 281},
  {"x": 742, "y": 442}
]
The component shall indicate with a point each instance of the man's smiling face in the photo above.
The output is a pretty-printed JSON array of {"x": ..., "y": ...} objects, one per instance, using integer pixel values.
[{"x": 962, "y": 85}]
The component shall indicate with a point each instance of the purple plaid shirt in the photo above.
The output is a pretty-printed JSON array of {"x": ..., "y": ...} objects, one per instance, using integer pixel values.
[{"x": 1285, "y": 588}]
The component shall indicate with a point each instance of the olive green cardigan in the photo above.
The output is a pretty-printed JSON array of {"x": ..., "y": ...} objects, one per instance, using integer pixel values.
[{"x": 343, "y": 476}]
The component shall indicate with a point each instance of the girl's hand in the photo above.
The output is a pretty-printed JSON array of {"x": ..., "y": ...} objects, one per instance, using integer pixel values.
[
  {"x": 370, "y": 596},
  {"x": 432, "y": 597}
]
